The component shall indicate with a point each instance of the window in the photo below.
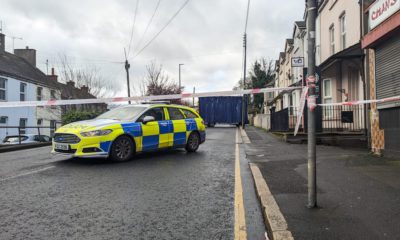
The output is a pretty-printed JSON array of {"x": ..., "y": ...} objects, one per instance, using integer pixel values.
[
  {"x": 332, "y": 38},
  {"x": 3, "y": 120},
  {"x": 52, "y": 94},
  {"x": 22, "y": 125},
  {"x": 22, "y": 91},
  {"x": 3, "y": 89},
  {"x": 342, "y": 21},
  {"x": 189, "y": 114},
  {"x": 52, "y": 127},
  {"x": 39, "y": 93},
  {"x": 157, "y": 113},
  {"x": 175, "y": 114},
  {"x": 327, "y": 91},
  {"x": 39, "y": 122}
]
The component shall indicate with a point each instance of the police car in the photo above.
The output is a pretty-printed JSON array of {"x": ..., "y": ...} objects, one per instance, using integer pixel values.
[{"x": 124, "y": 131}]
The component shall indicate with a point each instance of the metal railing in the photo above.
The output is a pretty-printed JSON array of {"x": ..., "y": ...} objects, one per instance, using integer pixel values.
[{"x": 333, "y": 119}]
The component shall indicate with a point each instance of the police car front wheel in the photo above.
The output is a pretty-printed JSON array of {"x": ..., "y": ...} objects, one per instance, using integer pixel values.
[
  {"x": 122, "y": 149},
  {"x": 193, "y": 142}
]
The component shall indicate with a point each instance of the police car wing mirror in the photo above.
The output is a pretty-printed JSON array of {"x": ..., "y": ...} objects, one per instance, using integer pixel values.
[{"x": 148, "y": 119}]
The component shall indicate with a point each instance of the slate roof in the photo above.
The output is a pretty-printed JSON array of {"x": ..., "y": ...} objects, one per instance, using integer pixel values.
[
  {"x": 71, "y": 92},
  {"x": 301, "y": 24},
  {"x": 17, "y": 67}
]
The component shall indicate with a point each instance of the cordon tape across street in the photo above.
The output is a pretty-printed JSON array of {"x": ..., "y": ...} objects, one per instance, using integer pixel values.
[{"x": 55, "y": 102}]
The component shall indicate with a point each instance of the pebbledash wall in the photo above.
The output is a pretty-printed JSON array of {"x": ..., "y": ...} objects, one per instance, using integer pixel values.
[{"x": 382, "y": 44}]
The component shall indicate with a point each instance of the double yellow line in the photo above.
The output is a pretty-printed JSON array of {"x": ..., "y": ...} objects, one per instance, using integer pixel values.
[{"x": 240, "y": 220}]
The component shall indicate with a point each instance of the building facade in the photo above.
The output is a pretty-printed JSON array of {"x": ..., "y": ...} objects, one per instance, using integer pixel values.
[
  {"x": 381, "y": 41},
  {"x": 20, "y": 80}
]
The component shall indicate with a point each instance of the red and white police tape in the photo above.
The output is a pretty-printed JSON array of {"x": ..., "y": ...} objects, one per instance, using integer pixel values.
[{"x": 140, "y": 98}]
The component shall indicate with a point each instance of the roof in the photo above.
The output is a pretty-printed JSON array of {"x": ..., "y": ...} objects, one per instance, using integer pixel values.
[
  {"x": 17, "y": 67},
  {"x": 71, "y": 92},
  {"x": 289, "y": 41},
  {"x": 300, "y": 24}
]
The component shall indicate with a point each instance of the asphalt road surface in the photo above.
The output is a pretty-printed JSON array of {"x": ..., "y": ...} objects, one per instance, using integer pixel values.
[{"x": 161, "y": 195}]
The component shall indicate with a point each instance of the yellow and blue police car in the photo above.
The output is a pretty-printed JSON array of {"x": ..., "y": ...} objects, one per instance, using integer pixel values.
[{"x": 124, "y": 131}]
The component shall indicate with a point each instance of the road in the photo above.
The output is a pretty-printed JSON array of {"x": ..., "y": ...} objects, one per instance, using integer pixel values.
[{"x": 163, "y": 195}]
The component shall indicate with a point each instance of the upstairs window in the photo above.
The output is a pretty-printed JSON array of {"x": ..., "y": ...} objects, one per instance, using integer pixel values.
[
  {"x": 53, "y": 94},
  {"x": 342, "y": 21},
  {"x": 332, "y": 39},
  {"x": 39, "y": 91},
  {"x": 22, "y": 92},
  {"x": 3, "y": 89}
]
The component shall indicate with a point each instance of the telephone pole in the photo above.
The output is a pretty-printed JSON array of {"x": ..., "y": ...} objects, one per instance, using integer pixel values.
[
  {"x": 244, "y": 78},
  {"x": 312, "y": 95},
  {"x": 127, "y": 66},
  {"x": 180, "y": 83}
]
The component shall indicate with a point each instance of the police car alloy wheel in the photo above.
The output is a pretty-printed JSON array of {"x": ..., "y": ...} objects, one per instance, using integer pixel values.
[
  {"x": 193, "y": 142},
  {"x": 122, "y": 149}
]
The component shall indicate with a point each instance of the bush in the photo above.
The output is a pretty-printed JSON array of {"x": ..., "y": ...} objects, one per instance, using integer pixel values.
[{"x": 73, "y": 116}]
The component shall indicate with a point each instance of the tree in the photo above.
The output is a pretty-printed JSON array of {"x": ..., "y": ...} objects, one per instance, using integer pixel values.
[
  {"x": 260, "y": 74},
  {"x": 88, "y": 76},
  {"x": 73, "y": 116},
  {"x": 157, "y": 82}
]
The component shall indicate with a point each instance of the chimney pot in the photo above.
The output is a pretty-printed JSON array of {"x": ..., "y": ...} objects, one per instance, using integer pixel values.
[
  {"x": 26, "y": 47},
  {"x": 52, "y": 71}
]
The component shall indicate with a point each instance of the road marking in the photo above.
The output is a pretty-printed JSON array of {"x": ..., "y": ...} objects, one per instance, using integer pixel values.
[
  {"x": 240, "y": 221},
  {"x": 27, "y": 173}
]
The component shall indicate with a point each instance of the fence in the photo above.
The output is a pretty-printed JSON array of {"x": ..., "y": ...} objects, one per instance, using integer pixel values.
[
  {"x": 37, "y": 130},
  {"x": 332, "y": 119}
]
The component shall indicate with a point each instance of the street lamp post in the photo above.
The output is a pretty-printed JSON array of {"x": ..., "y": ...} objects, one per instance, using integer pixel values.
[{"x": 180, "y": 64}]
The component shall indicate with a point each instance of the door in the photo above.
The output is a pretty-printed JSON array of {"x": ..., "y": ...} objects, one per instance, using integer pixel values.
[
  {"x": 151, "y": 139},
  {"x": 178, "y": 137}
]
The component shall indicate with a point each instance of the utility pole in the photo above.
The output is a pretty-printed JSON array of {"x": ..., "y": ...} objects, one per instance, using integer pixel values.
[
  {"x": 194, "y": 91},
  {"x": 312, "y": 95},
  {"x": 244, "y": 78},
  {"x": 180, "y": 86},
  {"x": 127, "y": 66}
]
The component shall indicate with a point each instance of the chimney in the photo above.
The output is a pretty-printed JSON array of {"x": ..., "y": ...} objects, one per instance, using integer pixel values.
[
  {"x": 71, "y": 83},
  {"x": 53, "y": 76},
  {"x": 27, "y": 54},
  {"x": 85, "y": 88},
  {"x": 2, "y": 43}
]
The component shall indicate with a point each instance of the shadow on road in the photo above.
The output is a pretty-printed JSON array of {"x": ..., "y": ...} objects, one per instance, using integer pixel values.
[{"x": 147, "y": 157}]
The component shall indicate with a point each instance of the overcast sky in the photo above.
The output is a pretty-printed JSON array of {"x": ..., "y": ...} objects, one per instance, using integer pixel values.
[{"x": 206, "y": 36}]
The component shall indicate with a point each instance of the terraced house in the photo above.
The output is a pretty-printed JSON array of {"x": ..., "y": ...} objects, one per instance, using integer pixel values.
[{"x": 21, "y": 80}]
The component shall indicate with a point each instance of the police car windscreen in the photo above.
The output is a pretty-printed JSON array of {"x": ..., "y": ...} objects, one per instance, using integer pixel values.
[{"x": 123, "y": 113}]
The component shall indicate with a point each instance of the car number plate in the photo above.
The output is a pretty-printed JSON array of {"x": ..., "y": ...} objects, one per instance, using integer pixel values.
[{"x": 61, "y": 146}]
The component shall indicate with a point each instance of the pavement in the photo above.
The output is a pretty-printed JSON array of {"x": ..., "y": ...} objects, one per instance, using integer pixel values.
[
  {"x": 358, "y": 194},
  {"x": 161, "y": 195}
]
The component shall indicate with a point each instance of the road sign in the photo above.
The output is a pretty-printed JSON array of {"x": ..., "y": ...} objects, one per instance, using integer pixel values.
[{"x": 297, "y": 62}]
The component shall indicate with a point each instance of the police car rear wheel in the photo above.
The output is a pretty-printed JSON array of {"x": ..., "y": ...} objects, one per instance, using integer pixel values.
[
  {"x": 193, "y": 142},
  {"x": 122, "y": 149}
]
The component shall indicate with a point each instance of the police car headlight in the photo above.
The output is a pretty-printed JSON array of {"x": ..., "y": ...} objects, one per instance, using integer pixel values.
[{"x": 96, "y": 133}]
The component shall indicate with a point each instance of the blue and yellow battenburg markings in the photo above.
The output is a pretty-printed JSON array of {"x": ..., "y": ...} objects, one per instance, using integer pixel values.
[{"x": 161, "y": 134}]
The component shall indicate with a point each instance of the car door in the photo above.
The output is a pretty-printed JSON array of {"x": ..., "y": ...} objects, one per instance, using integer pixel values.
[
  {"x": 178, "y": 137},
  {"x": 151, "y": 130}
]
